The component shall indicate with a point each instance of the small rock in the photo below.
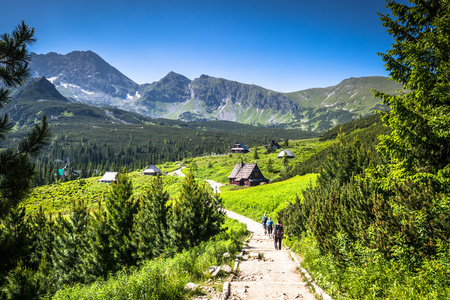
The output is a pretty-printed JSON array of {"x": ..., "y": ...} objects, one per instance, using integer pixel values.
[
  {"x": 226, "y": 268},
  {"x": 212, "y": 269},
  {"x": 216, "y": 272},
  {"x": 282, "y": 297},
  {"x": 191, "y": 286},
  {"x": 226, "y": 255},
  {"x": 299, "y": 296}
]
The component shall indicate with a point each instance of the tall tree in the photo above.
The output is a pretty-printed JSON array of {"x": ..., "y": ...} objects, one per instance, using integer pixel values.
[
  {"x": 121, "y": 207},
  {"x": 16, "y": 168},
  {"x": 150, "y": 228},
  {"x": 196, "y": 215},
  {"x": 420, "y": 60}
]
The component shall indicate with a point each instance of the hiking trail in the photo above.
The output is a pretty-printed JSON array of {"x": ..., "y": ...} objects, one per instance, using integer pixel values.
[{"x": 266, "y": 273}]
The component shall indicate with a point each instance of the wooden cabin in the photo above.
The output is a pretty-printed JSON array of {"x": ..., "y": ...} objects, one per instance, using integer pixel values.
[
  {"x": 239, "y": 148},
  {"x": 108, "y": 177},
  {"x": 152, "y": 170},
  {"x": 247, "y": 174},
  {"x": 288, "y": 154},
  {"x": 273, "y": 145}
]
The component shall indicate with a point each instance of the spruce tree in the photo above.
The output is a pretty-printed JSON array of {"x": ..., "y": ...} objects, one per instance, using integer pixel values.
[
  {"x": 196, "y": 215},
  {"x": 121, "y": 208},
  {"x": 420, "y": 60},
  {"x": 97, "y": 259},
  {"x": 151, "y": 230},
  {"x": 68, "y": 245}
]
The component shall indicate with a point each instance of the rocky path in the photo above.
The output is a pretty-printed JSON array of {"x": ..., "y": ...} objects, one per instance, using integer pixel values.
[
  {"x": 266, "y": 273},
  {"x": 177, "y": 173}
]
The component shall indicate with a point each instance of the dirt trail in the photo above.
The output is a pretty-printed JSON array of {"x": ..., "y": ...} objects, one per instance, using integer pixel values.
[{"x": 266, "y": 273}]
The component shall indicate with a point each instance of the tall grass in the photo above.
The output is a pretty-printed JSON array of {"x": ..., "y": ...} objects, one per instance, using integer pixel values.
[{"x": 164, "y": 278}]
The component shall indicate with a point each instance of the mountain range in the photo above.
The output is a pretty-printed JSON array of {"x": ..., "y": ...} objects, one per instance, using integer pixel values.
[{"x": 84, "y": 77}]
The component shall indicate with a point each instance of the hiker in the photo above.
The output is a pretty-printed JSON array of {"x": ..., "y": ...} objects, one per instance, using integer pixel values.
[
  {"x": 270, "y": 226},
  {"x": 264, "y": 223},
  {"x": 278, "y": 232}
]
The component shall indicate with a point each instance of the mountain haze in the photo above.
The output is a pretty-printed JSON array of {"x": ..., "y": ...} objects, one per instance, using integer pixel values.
[{"x": 84, "y": 77}]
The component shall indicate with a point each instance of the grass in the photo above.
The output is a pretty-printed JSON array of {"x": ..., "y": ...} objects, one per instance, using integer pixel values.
[
  {"x": 271, "y": 198},
  {"x": 58, "y": 197}
]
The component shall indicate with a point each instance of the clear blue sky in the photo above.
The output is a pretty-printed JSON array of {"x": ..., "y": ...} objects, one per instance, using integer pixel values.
[{"x": 283, "y": 45}]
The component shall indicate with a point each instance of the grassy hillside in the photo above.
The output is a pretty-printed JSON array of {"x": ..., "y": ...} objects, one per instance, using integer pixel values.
[
  {"x": 353, "y": 95},
  {"x": 271, "y": 198}
]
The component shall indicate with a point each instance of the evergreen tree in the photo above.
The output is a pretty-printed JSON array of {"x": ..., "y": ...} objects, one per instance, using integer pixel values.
[
  {"x": 196, "y": 215},
  {"x": 255, "y": 152},
  {"x": 97, "y": 259},
  {"x": 121, "y": 208},
  {"x": 420, "y": 60},
  {"x": 16, "y": 168},
  {"x": 150, "y": 228},
  {"x": 68, "y": 245}
]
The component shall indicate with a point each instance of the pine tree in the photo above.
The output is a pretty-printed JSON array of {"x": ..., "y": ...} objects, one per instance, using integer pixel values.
[
  {"x": 16, "y": 168},
  {"x": 121, "y": 207}
]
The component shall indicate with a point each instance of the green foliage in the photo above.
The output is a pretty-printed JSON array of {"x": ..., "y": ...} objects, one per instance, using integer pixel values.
[
  {"x": 345, "y": 160},
  {"x": 151, "y": 222},
  {"x": 16, "y": 167},
  {"x": 419, "y": 59},
  {"x": 195, "y": 216},
  {"x": 164, "y": 278},
  {"x": 68, "y": 245},
  {"x": 121, "y": 208}
]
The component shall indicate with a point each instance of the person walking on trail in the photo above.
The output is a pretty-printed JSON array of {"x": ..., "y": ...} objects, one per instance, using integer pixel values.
[
  {"x": 270, "y": 226},
  {"x": 264, "y": 223},
  {"x": 278, "y": 232}
]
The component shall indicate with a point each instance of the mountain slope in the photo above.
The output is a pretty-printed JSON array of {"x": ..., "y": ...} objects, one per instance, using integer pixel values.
[
  {"x": 83, "y": 76},
  {"x": 353, "y": 95}
]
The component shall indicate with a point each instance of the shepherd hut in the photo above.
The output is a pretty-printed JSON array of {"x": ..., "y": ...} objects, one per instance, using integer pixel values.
[{"x": 247, "y": 174}]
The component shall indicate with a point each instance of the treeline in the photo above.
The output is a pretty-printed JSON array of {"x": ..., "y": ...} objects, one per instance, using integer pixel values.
[
  {"x": 117, "y": 150},
  {"x": 41, "y": 254}
]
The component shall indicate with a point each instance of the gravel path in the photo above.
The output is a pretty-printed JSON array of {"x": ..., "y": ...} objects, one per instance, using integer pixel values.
[
  {"x": 177, "y": 173},
  {"x": 266, "y": 273}
]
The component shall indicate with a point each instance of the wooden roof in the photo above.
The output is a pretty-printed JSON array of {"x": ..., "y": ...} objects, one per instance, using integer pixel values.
[
  {"x": 239, "y": 146},
  {"x": 152, "y": 169},
  {"x": 242, "y": 171},
  {"x": 108, "y": 177},
  {"x": 288, "y": 153}
]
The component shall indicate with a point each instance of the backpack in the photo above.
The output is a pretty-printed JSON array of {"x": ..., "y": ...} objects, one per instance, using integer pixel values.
[
  {"x": 264, "y": 220},
  {"x": 279, "y": 230}
]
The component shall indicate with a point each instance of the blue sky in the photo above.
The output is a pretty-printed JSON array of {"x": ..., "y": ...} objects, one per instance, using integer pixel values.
[{"x": 283, "y": 45}]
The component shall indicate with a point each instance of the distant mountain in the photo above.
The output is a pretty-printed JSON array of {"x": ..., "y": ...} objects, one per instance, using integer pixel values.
[
  {"x": 39, "y": 97},
  {"x": 353, "y": 95},
  {"x": 86, "y": 78},
  {"x": 83, "y": 76}
]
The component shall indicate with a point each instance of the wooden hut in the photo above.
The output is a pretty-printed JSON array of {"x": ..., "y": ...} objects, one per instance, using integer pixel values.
[
  {"x": 108, "y": 177},
  {"x": 288, "y": 154},
  {"x": 239, "y": 148},
  {"x": 152, "y": 170},
  {"x": 247, "y": 174}
]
